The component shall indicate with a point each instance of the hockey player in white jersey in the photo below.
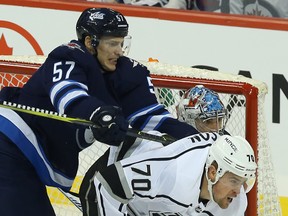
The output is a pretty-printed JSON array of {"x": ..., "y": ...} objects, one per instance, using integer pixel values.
[
  {"x": 203, "y": 174},
  {"x": 199, "y": 106}
]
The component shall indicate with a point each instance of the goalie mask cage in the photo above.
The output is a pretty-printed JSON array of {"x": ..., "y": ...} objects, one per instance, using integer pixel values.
[{"x": 243, "y": 98}]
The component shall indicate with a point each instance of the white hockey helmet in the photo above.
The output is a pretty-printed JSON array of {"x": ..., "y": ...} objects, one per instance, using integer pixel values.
[
  {"x": 203, "y": 103},
  {"x": 233, "y": 154}
]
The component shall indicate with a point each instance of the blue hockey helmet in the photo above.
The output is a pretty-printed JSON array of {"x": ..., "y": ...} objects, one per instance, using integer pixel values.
[
  {"x": 98, "y": 22},
  {"x": 201, "y": 103}
]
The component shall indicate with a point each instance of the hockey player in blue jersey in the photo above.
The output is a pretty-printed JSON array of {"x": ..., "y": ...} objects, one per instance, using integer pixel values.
[
  {"x": 87, "y": 78},
  {"x": 199, "y": 106}
]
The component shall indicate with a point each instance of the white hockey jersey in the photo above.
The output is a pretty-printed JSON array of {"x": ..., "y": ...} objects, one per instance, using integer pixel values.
[{"x": 164, "y": 181}]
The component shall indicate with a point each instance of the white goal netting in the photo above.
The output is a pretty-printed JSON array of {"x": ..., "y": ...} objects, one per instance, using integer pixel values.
[{"x": 243, "y": 97}]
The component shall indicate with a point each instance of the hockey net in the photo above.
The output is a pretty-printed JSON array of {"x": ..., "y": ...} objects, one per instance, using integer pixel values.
[{"x": 243, "y": 97}]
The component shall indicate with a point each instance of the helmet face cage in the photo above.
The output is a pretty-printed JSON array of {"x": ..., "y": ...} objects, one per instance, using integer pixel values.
[
  {"x": 235, "y": 155},
  {"x": 98, "y": 22},
  {"x": 201, "y": 103},
  {"x": 216, "y": 124}
]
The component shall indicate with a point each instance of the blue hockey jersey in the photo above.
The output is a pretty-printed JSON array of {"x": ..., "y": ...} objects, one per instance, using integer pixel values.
[{"x": 71, "y": 81}]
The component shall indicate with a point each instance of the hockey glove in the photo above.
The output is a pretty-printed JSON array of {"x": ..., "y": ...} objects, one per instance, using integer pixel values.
[{"x": 111, "y": 125}]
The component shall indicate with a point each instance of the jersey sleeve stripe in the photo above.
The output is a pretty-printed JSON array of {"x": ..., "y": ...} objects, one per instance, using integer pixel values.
[
  {"x": 27, "y": 142},
  {"x": 144, "y": 111},
  {"x": 154, "y": 122},
  {"x": 114, "y": 190},
  {"x": 166, "y": 197},
  {"x": 68, "y": 98},
  {"x": 59, "y": 87},
  {"x": 168, "y": 157}
]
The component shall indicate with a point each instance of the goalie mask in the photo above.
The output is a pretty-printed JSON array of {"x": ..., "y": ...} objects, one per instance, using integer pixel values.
[
  {"x": 234, "y": 155},
  {"x": 203, "y": 109},
  {"x": 98, "y": 22}
]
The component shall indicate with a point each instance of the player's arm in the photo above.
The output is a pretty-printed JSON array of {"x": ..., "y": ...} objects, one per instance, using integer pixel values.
[
  {"x": 145, "y": 113},
  {"x": 113, "y": 193},
  {"x": 68, "y": 88},
  {"x": 71, "y": 90},
  {"x": 119, "y": 183}
]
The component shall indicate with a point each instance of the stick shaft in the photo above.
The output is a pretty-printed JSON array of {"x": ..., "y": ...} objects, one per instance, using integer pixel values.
[
  {"x": 165, "y": 140},
  {"x": 73, "y": 199}
]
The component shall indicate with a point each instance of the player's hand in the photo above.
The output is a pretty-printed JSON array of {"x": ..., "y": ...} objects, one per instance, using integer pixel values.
[{"x": 111, "y": 125}]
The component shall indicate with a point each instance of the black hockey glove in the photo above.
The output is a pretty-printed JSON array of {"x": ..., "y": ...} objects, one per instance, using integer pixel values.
[{"x": 111, "y": 125}]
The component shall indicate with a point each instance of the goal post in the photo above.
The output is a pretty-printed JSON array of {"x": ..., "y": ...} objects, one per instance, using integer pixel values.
[{"x": 243, "y": 97}]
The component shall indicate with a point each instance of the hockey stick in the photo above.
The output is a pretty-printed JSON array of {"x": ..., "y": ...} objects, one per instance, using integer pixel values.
[
  {"x": 73, "y": 198},
  {"x": 165, "y": 140}
]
